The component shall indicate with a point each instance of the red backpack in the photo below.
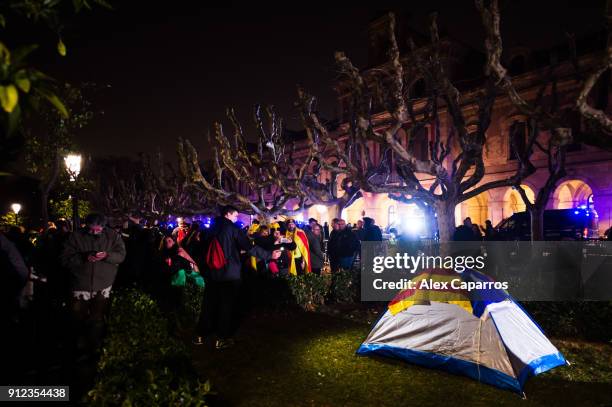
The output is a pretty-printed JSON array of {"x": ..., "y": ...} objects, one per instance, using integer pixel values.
[{"x": 215, "y": 259}]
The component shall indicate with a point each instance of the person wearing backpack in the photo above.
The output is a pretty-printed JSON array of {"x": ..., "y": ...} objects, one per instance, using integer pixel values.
[{"x": 223, "y": 276}]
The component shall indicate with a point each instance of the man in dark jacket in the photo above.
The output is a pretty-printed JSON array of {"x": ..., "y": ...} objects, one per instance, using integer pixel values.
[
  {"x": 342, "y": 246},
  {"x": 371, "y": 232},
  {"x": 13, "y": 277},
  {"x": 132, "y": 270},
  {"x": 222, "y": 285},
  {"x": 92, "y": 256},
  {"x": 317, "y": 257}
]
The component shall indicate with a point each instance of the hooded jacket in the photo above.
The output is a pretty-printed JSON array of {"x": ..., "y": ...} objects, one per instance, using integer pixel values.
[
  {"x": 232, "y": 241},
  {"x": 93, "y": 276}
]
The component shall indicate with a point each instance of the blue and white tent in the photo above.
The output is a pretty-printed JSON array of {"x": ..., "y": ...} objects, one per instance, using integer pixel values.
[{"x": 500, "y": 345}]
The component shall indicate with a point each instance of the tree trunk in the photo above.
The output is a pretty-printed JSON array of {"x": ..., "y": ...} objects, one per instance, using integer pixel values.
[
  {"x": 46, "y": 188},
  {"x": 446, "y": 219},
  {"x": 44, "y": 209},
  {"x": 75, "y": 213},
  {"x": 537, "y": 222},
  {"x": 339, "y": 209}
]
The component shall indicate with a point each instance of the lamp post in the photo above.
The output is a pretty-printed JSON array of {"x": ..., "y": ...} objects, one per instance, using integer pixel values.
[
  {"x": 73, "y": 167},
  {"x": 16, "y": 207}
]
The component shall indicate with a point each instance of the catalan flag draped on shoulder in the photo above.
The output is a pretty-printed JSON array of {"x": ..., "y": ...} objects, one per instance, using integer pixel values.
[{"x": 302, "y": 251}]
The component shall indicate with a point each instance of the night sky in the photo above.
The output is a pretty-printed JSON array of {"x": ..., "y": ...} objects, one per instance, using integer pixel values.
[{"x": 169, "y": 70}]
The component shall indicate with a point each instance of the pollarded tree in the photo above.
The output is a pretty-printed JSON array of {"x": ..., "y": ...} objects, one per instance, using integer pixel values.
[
  {"x": 267, "y": 178},
  {"x": 562, "y": 130},
  {"x": 146, "y": 186},
  {"x": 455, "y": 160}
]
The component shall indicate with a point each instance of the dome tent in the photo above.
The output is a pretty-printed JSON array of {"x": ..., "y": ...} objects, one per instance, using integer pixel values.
[{"x": 496, "y": 343}]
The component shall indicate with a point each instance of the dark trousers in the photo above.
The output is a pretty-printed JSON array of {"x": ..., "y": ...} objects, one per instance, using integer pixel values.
[
  {"x": 298, "y": 266},
  {"x": 88, "y": 323},
  {"x": 218, "y": 307}
]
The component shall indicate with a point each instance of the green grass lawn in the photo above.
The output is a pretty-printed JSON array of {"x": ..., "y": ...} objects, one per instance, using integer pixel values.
[{"x": 304, "y": 359}]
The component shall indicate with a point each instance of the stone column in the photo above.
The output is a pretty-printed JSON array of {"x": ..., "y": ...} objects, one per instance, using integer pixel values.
[{"x": 603, "y": 206}]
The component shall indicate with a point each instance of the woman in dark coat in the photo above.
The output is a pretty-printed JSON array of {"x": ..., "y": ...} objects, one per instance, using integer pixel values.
[{"x": 174, "y": 258}]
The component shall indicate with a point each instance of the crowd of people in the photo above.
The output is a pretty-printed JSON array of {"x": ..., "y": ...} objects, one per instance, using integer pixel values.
[
  {"x": 70, "y": 275},
  {"x": 469, "y": 231},
  {"x": 74, "y": 272}
]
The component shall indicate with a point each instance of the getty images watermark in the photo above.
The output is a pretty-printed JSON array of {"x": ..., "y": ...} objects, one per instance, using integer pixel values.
[
  {"x": 529, "y": 271},
  {"x": 431, "y": 264}
]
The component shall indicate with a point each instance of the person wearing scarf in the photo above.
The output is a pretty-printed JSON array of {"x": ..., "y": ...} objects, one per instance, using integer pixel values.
[{"x": 300, "y": 257}]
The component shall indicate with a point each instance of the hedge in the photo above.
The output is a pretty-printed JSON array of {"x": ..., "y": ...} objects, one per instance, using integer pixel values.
[{"x": 141, "y": 363}]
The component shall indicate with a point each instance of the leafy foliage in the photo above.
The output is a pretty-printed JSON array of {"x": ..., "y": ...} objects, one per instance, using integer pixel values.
[
  {"x": 8, "y": 219},
  {"x": 344, "y": 286},
  {"x": 193, "y": 300},
  {"x": 577, "y": 319},
  {"x": 309, "y": 290},
  {"x": 22, "y": 87},
  {"x": 19, "y": 82},
  {"x": 57, "y": 135},
  {"x": 63, "y": 208},
  {"x": 141, "y": 364}
]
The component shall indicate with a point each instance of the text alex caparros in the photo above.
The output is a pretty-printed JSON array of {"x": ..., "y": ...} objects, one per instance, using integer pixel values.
[{"x": 421, "y": 262}]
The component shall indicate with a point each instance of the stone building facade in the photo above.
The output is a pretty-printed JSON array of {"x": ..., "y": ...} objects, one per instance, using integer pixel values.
[{"x": 589, "y": 169}]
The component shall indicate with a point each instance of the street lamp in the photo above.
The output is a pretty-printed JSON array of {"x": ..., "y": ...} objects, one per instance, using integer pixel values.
[
  {"x": 16, "y": 207},
  {"x": 73, "y": 167}
]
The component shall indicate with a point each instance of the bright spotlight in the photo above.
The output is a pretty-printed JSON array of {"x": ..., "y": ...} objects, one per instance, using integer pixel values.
[
  {"x": 321, "y": 209},
  {"x": 73, "y": 165},
  {"x": 16, "y": 208}
]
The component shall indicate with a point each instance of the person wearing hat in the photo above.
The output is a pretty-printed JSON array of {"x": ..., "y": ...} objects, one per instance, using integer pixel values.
[{"x": 300, "y": 257}]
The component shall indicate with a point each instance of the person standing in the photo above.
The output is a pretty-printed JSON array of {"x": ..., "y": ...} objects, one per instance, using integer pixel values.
[
  {"x": 13, "y": 277},
  {"x": 325, "y": 231},
  {"x": 489, "y": 231},
  {"x": 465, "y": 232},
  {"x": 359, "y": 232},
  {"x": 371, "y": 232},
  {"x": 92, "y": 256},
  {"x": 176, "y": 263},
  {"x": 317, "y": 256},
  {"x": 223, "y": 284},
  {"x": 136, "y": 242},
  {"x": 300, "y": 257},
  {"x": 342, "y": 246}
]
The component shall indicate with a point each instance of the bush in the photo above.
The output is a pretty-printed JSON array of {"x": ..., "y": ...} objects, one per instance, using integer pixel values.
[
  {"x": 580, "y": 319},
  {"x": 344, "y": 287},
  {"x": 192, "y": 302},
  {"x": 309, "y": 290},
  {"x": 141, "y": 364}
]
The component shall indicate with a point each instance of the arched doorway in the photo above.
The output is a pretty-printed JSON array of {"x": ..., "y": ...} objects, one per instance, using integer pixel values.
[
  {"x": 476, "y": 208},
  {"x": 513, "y": 202},
  {"x": 351, "y": 214},
  {"x": 573, "y": 194}
]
